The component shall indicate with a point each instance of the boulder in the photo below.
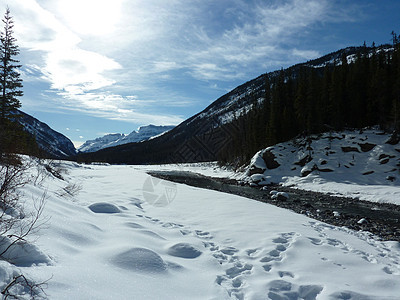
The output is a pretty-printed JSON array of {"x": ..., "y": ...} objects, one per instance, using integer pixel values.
[
  {"x": 350, "y": 149},
  {"x": 280, "y": 196},
  {"x": 270, "y": 160},
  {"x": 302, "y": 162},
  {"x": 366, "y": 147},
  {"x": 394, "y": 139}
]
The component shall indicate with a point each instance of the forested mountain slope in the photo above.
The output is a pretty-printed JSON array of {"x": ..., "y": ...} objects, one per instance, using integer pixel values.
[{"x": 350, "y": 88}]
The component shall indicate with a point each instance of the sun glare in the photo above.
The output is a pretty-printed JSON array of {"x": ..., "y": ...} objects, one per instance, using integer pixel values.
[{"x": 92, "y": 17}]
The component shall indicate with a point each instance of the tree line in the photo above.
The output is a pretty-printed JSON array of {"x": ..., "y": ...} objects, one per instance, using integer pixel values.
[{"x": 355, "y": 91}]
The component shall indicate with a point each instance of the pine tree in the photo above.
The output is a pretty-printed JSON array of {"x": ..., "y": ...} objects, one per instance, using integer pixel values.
[{"x": 10, "y": 81}]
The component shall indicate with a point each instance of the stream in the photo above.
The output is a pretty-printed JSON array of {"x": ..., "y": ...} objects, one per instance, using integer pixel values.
[{"x": 380, "y": 219}]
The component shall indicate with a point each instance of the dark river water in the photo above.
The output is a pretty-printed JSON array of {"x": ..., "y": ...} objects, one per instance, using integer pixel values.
[{"x": 381, "y": 219}]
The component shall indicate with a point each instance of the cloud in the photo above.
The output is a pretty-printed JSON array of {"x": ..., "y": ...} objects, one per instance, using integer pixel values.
[{"x": 96, "y": 57}]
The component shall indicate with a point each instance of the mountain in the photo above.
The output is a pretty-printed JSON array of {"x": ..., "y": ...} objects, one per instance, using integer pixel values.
[
  {"x": 53, "y": 143},
  {"x": 144, "y": 133},
  {"x": 235, "y": 125}
]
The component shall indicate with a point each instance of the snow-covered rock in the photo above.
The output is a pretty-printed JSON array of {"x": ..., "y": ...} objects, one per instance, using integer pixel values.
[
  {"x": 280, "y": 196},
  {"x": 350, "y": 159},
  {"x": 352, "y": 154}
]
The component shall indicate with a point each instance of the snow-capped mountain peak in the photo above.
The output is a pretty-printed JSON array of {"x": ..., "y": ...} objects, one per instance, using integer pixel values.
[{"x": 110, "y": 140}]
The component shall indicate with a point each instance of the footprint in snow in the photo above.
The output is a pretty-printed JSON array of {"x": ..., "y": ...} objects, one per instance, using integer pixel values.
[
  {"x": 281, "y": 289},
  {"x": 172, "y": 225},
  {"x": 283, "y": 243},
  {"x": 203, "y": 234},
  {"x": 252, "y": 253}
]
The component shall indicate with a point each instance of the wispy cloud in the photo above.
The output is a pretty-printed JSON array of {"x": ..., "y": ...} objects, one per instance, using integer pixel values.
[{"x": 115, "y": 61}]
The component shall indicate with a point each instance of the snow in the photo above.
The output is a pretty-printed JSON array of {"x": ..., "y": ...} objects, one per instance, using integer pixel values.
[
  {"x": 110, "y": 140},
  {"x": 203, "y": 245},
  {"x": 357, "y": 164}
]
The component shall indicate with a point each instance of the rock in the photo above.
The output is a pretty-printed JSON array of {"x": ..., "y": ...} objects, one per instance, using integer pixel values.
[
  {"x": 366, "y": 147},
  {"x": 384, "y": 161},
  {"x": 394, "y": 139},
  {"x": 257, "y": 178},
  {"x": 257, "y": 164},
  {"x": 305, "y": 173},
  {"x": 280, "y": 196},
  {"x": 270, "y": 160},
  {"x": 390, "y": 178},
  {"x": 324, "y": 170},
  {"x": 383, "y": 156},
  {"x": 362, "y": 221},
  {"x": 255, "y": 170},
  {"x": 368, "y": 173},
  {"x": 307, "y": 170},
  {"x": 273, "y": 192},
  {"x": 350, "y": 149},
  {"x": 302, "y": 162}
]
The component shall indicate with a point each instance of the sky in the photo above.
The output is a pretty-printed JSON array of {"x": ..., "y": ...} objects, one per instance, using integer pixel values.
[{"x": 93, "y": 67}]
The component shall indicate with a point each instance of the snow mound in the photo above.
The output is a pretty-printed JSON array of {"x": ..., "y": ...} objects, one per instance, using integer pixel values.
[
  {"x": 184, "y": 250},
  {"x": 23, "y": 254},
  {"x": 104, "y": 208},
  {"x": 140, "y": 260},
  {"x": 134, "y": 225}
]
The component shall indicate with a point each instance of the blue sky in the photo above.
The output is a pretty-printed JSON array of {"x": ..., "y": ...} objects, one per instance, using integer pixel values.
[{"x": 92, "y": 67}]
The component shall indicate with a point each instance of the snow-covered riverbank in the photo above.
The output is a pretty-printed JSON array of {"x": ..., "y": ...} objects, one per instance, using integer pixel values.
[{"x": 108, "y": 242}]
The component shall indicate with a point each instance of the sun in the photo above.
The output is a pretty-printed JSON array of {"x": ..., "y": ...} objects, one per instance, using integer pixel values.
[{"x": 90, "y": 17}]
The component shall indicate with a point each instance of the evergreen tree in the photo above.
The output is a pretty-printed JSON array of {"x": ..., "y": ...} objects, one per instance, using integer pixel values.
[{"x": 10, "y": 81}]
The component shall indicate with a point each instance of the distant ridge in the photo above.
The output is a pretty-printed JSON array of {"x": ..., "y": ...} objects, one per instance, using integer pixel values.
[{"x": 144, "y": 133}]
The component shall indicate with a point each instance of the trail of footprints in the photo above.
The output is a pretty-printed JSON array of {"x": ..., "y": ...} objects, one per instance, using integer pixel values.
[
  {"x": 391, "y": 259},
  {"x": 239, "y": 265}
]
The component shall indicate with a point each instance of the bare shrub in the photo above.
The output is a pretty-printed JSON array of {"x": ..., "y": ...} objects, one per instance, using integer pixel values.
[
  {"x": 12, "y": 177},
  {"x": 17, "y": 223},
  {"x": 20, "y": 284},
  {"x": 14, "y": 230},
  {"x": 72, "y": 189}
]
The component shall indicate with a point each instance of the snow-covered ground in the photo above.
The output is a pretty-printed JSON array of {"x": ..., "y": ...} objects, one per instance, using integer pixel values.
[
  {"x": 108, "y": 242},
  {"x": 357, "y": 164}
]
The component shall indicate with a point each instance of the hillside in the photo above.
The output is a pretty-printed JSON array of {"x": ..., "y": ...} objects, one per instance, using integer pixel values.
[
  {"x": 277, "y": 106},
  {"x": 52, "y": 143},
  {"x": 362, "y": 164}
]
